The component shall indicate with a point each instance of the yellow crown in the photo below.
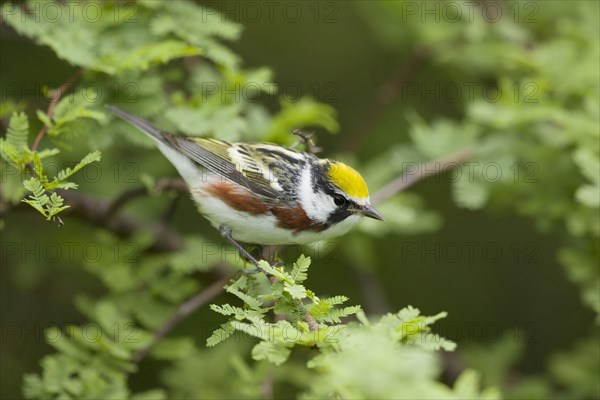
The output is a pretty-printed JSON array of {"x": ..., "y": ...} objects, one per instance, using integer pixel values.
[{"x": 348, "y": 179}]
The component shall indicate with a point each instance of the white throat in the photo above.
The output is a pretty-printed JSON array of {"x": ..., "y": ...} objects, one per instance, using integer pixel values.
[{"x": 317, "y": 205}]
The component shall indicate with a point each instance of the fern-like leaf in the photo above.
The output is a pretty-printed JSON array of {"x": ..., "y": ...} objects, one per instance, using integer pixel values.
[
  {"x": 68, "y": 172},
  {"x": 14, "y": 148},
  {"x": 220, "y": 334},
  {"x": 48, "y": 206},
  {"x": 300, "y": 269}
]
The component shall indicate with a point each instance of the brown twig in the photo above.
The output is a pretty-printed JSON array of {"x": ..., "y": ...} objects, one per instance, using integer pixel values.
[
  {"x": 307, "y": 140},
  {"x": 185, "y": 309},
  {"x": 93, "y": 210},
  {"x": 313, "y": 325},
  {"x": 266, "y": 388},
  {"x": 169, "y": 212},
  {"x": 425, "y": 170},
  {"x": 56, "y": 96},
  {"x": 371, "y": 289}
]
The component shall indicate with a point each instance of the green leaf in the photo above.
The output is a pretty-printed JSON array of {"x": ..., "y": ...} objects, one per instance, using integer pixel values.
[
  {"x": 18, "y": 130},
  {"x": 253, "y": 303},
  {"x": 57, "y": 370},
  {"x": 14, "y": 148},
  {"x": 33, "y": 388},
  {"x": 70, "y": 110},
  {"x": 48, "y": 206},
  {"x": 300, "y": 269},
  {"x": 296, "y": 291},
  {"x": 227, "y": 309},
  {"x": 220, "y": 334},
  {"x": 467, "y": 386},
  {"x": 42, "y": 116},
  {"x": 299, "y": 114},
  {"x": 470, "y": 194},
  {"x": 333, "y": 316},
  {"x": 147, "y": 55},
  {"x": 274, "y": 352},
  {"x": 68, "y": 172}
]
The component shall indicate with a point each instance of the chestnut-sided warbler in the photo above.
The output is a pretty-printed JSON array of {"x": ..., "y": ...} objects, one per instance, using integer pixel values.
[{"x": 263, "y": 193}]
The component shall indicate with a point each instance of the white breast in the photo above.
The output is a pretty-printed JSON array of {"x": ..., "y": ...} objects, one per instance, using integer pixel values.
[{"x": 259, "y": 229}]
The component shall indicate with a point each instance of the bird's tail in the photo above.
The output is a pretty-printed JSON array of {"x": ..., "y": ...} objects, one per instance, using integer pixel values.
[
  {"x": 140, "y": 123},
  {"x": 165, "y": 142}
]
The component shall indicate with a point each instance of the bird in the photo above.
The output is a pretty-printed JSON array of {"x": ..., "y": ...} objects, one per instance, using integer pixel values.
[{"x": 263, "y": 193}]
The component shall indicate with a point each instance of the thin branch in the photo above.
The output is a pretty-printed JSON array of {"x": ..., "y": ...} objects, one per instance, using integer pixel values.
[
  {"x": 371, "y": 289},
  {"x": 313, "y": 325},
  {"x": 425, "y": 170},
  {"x": 93, "y": 210},
  {"x": 266, "y": 388},
  {"x": 56, "y": 96},
  {"x": 307, "y": 140},
  {"x": 169, "y": 212},
  {"x": 183, "y": 311}
]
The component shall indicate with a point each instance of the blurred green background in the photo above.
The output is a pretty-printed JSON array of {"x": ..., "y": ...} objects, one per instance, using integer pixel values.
[{"x": 363, "y": 59}]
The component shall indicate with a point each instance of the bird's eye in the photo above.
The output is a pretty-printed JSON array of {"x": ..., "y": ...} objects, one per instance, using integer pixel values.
[{"x": 339, "y": 200}]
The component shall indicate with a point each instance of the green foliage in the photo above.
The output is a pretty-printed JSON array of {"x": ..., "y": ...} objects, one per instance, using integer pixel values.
[
  {"x": 69, "y": 113},
  {"x": 90, "y": 363},
  {"x": 345, "y": 364},
  {"x": 288, "y": 298},
  {"x": 15, "y": 151},
  {"x": 346, "y": 352},
  {"x": 577, "y": 371},
  {"x": 48, "y": 206},
  {"x": 534, "y": 128},
  {"x": 117, "y": 50},
  {"x": 167, "y": 61},
  {"x": 14, "y": 148},
  {"x": 68, "y": 172}
]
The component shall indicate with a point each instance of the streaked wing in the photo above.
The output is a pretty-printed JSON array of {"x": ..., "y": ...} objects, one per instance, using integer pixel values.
[
  {"x": 234, "y": 161},
  {"x": 262, "y": 163}
]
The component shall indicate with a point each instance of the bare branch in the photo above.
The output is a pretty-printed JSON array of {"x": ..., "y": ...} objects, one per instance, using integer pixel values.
[
  {"x": 94, "y": 210},
  {"x": 425, "y": 170}
]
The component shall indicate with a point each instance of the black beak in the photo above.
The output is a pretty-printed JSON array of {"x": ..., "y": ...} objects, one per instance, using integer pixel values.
[{"x": 369, "y": 211}]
